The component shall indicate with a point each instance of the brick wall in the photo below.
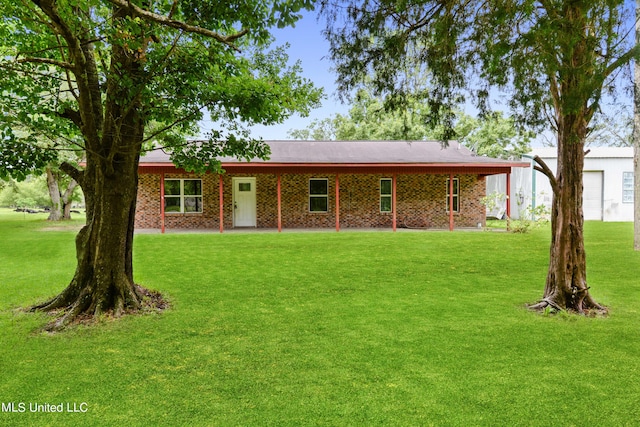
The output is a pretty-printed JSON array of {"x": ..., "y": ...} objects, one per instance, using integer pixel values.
[
  {"x": 148, "y": 208},
  {"x": 421, "y": 202}
]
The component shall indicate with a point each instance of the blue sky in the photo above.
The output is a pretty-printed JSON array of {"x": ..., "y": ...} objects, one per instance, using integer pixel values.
[{"x": 308, "y": 45}]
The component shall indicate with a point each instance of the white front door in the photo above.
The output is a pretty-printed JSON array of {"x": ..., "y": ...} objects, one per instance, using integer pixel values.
[{"x": 244, "y": 202}]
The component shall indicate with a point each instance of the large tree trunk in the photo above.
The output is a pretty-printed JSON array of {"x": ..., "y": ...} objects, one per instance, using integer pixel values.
[
  {"x": 103, "y": 280},
  {"x": 67, "y": 200},
  {"x": 54, "y": 193},
  {"x": 566, "y": 286},
  {"x": 60, "y": 203},
  {"x": 572, "y": 94}
]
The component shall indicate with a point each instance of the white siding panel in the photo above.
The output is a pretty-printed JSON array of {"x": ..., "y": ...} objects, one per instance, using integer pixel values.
[{"x": 592, "y": 195}]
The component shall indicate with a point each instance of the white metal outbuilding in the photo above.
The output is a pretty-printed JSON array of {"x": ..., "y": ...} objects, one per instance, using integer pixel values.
[{"x": 607, "y": 181}]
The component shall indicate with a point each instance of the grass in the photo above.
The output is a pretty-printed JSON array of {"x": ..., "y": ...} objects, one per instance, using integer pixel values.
[{"x": 335, "y": 329}]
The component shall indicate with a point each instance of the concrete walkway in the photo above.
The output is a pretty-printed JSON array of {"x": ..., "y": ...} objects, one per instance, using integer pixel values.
[{"x": 251, "y": 230}]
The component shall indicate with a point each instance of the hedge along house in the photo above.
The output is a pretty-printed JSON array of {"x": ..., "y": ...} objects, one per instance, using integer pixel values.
[{"x": 323, "y": 184}]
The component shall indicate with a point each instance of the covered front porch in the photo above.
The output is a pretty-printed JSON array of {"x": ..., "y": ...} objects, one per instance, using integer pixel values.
[{"x": 324, "y": 185}]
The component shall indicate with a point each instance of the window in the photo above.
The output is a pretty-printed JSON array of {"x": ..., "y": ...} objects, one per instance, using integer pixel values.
[
  {"x": 627, "y": 187},
  {"x": 182, "y": 195},
  {"x": 456, "y": 195},
  {"x": 385, "y": 195},
  {"x": 318, "y": 195}
]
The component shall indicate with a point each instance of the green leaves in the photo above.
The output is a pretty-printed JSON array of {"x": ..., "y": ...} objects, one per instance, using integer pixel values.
[
  {"x": 493, "y": 136},
  {"x": 92, "y": 70},
  {"x": 204, "y": 156},
  {"x": 542, "y": 55},
  {"x": 20, "y": 157}
]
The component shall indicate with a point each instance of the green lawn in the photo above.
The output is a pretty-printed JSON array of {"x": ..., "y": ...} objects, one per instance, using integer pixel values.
[{"x": 334, "y": 329}]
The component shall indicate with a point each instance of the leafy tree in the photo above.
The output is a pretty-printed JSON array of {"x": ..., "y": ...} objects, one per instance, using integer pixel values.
[
  {"x": 611, "y": 130},
  {"x": 493, "y": 135},
  {"x": 29, "y": 193},
  {"x": 61, "y": 190},
  {"x": 555, "y": 57},
  {"x": 368, "y": 119},
  {"x": 111, "y": 75},
  {"x": 49, "y": 165},
  {"x": 34, "y": 192},
  {"x": 318, "y": 130}
]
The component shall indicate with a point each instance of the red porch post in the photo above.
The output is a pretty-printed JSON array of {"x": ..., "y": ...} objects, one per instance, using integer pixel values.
[
  {"x": 450, "y": 202},
  {"x": 279, "y": 205},
  {"x": 393, "y": 201},
  {"x": 221, "y": 202},
  {"x": 162, "y": 202},
  {"x": 337, "y": 202}
]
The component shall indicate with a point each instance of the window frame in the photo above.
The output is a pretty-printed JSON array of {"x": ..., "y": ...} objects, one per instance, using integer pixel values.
[
  {"x": 627, "y": 192},
  {"x": 324, "y": 196},
  {"x": 456, "y": 195},
  {"x": 385, "y": 196},
  {"x": 182, "y": 196}
]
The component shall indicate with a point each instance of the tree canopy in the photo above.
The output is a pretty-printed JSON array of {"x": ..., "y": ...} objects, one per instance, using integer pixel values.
[
  {"x": 193, "y": 58},
  {"x": 493, "y": 135},
  {"x": 114, "y": 76},
  {"x": 369, "y": 119},
  {"x": 470, "y": 49},
  {"x": 553, "y": 61}
]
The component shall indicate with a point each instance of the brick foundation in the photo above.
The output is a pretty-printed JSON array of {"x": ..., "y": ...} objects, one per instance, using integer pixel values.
[{"x": 421, "y": 202}]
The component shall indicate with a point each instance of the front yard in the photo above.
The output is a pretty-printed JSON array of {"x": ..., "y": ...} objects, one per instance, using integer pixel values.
[{"x": 367, "y": 328}]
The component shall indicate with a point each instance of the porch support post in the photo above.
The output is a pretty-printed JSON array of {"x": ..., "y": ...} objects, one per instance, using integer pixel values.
[
  {"x": 337, "y": 202},
  {"x": 221, "y": 201},
  {"x": 279, "y": 205},
  {"x": 393, "y": 202},
  {"x": 450, "y": 202},
  {"x": 162, "y": 202},
  {"x": 508, "y": 195}
]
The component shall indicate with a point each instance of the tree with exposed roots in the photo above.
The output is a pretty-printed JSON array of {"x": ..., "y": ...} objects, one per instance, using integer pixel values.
[
  {"x": 552, "y": 59},
  {"x": 113, "y": 76}
]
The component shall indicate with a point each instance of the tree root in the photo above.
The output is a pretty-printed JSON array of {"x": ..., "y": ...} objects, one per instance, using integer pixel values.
[
  {"x": 587, "y": 307},
  {"x": 84, "y": 310},
  {"x": 545, "y": 304}
]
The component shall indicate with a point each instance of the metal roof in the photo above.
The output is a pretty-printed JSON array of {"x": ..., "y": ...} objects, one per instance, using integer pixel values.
[
  {"x": 594, "y": 152},
  {"x": 358, "y": 153}
]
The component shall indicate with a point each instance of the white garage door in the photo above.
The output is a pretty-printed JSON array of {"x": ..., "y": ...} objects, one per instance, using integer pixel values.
[{"x": 592, "y": 195}]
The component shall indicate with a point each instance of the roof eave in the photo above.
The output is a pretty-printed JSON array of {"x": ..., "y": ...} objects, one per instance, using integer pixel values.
[{"x": 487, "y": 168}]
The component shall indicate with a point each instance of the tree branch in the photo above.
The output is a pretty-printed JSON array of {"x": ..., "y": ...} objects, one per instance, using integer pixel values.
[
  {"x": 633, "y": 53},
  {"x": 69, "y": 191},
  {"x": 173, "y": 23},
  {"x": 75, "y": 173},
  {"x": 72, "y": 115},
  {"x": 50, "y": 9},
  {"x": 548, "y": 173},
  {"x": 61, "y": 64},
  {"x": 173, "y": 8},
  {"x": 83, "y": 69}
]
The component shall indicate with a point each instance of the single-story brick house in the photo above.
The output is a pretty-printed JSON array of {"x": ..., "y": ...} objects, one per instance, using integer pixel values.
[{"x": 323, "y": 184}]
